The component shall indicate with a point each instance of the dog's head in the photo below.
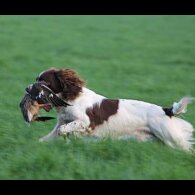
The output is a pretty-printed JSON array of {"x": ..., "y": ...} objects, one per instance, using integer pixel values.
[{"x": 63, "y": 81}]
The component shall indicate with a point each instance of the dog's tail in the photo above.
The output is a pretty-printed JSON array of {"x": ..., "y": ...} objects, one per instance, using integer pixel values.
[
  {"x": 172, "y": 130},
  {"x": 181, "y": 106},
  {"x": 178, "y": 107}
]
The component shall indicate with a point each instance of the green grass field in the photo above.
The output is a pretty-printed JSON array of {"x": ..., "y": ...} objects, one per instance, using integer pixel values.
[{"x": 150, "y": 58}]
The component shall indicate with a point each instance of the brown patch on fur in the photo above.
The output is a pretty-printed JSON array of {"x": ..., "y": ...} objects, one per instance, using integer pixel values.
[
  {"x": 70, "y": 82},
  {"x": 100, "y": 113},
  {"x": 50, "y": 79},
  {"x": 65, "y": 81}
]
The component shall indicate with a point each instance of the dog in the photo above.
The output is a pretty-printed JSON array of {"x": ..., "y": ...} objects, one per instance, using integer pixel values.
[{"x": 89, "y": 113}]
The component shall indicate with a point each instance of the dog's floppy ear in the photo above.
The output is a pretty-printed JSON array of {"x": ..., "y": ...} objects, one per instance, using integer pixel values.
[{"x": 70, "y": 83}]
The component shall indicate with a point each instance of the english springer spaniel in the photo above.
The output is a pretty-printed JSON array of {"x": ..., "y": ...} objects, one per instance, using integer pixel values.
[{"x": 89, "y": 113}]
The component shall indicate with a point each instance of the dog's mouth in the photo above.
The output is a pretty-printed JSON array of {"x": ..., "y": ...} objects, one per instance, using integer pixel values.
[
  {"x": 47, "y": 107},
  {"x": 39, "y": 96},
  {"x": 30, "y": 109}
]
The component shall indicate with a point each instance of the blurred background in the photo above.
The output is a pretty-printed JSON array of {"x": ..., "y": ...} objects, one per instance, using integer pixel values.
[{"x": 149, "y": 58}]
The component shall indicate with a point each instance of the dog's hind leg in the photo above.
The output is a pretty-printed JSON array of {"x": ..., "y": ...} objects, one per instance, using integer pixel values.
[
  {"x": 170, "y": 129},
  {"x": 173, "y": 131},
  {"x": 142, "y": 134}
]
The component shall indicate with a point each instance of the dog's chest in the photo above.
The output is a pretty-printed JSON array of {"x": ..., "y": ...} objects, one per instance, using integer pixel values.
[{"x": 68, "y": 114}]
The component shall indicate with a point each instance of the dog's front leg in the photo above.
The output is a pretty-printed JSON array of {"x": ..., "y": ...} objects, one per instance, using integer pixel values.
[
  {"x": 53, "y": 134},
  {"x": 74, "y": 126}
]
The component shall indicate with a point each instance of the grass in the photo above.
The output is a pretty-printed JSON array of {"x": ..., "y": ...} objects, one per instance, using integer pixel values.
[{"x": 149, "y": 58}]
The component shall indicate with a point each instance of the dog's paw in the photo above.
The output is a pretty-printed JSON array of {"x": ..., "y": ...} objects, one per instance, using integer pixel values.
[
  {"x": 62, "y": 130},
  {"x": 64, "y": 134},
  {"x": 41, "y": 140}
]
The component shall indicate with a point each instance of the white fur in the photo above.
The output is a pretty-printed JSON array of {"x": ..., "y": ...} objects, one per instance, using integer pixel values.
[
  {"x": 181, "y": 106},
  {"x": 30, "y": 116},
  {"x": 133, "y": 119}
]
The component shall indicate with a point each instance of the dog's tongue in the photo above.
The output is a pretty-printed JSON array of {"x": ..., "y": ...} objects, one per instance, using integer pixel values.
[{"x": 47, "y": 107}]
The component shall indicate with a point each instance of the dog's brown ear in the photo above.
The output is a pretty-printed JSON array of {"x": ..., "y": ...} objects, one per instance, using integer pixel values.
[
  {"x": 50, "y": 79},
  {"x": 70, "y": 83}
]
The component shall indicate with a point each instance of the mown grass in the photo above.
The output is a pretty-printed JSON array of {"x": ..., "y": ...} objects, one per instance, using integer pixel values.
[{"x": 150, "y": 58}]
